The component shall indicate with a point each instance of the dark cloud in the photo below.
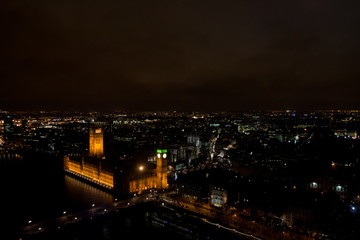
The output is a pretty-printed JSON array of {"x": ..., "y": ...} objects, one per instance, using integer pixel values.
[{"x": 183, "y": 55}]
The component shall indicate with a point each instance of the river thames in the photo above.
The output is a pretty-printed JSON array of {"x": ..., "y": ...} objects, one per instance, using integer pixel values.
[{"x": 35, "y": 188}]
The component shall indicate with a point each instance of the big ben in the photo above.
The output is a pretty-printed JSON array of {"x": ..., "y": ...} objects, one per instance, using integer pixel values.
[{"x": 161, "y": 168}]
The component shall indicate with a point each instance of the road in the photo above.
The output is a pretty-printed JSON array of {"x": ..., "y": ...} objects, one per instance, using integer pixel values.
[
  {"x": 233, "y": 222},
  {"x": 203, "y": 211}
]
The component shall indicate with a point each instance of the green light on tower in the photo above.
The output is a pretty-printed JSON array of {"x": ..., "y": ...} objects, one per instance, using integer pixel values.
[{"x": 161, "y": 151}]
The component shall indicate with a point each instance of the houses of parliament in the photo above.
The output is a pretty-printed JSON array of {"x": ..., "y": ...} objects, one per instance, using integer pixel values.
[{"x": 124, "y": 177}]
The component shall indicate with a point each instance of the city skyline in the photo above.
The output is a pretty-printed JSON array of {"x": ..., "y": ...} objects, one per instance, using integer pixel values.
[
  {"x": 270, "y": 175},
  {"x": 183, "y": 56}
]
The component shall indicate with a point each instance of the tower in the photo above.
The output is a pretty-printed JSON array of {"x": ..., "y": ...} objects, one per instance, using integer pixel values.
[
  {"x": 161, "y": 168},
  {"x": 96, "y": 142}
]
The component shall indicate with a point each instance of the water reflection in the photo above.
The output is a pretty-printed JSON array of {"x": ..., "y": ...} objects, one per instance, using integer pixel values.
[{"x": 84, "y": 195}]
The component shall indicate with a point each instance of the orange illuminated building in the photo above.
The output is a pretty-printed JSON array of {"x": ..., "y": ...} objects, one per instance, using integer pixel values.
[
  {"x": 89, "y": 171},
  {"x": 126, "y": 177},
  {"x": 139, "y": 178},
  {"x": 96, "y": 142}
]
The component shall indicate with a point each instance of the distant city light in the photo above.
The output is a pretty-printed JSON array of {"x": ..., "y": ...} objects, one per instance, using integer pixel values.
[{"x": 223, "y": 154}]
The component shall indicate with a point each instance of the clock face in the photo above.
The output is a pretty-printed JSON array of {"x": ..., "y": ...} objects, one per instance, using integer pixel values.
[
  {"x": 164, "y": 155},
  {"x": 159, "y": 155}
]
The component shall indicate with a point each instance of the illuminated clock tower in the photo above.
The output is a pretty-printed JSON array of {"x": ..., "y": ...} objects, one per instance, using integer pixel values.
[
  {"x": 96, "y": 145},
  {"x": 161, "y": 169}
]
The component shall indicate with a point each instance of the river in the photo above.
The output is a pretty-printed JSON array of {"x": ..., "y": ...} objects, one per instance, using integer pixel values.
[{"x": 35, "y": 188}]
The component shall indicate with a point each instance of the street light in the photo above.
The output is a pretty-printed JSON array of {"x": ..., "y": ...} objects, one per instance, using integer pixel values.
[{"x": 141, "y": 168}]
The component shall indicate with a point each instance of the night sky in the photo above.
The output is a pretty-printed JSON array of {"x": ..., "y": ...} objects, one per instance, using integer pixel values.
[{"x": 179, "y": 55}]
